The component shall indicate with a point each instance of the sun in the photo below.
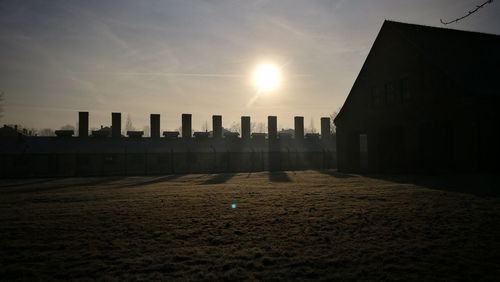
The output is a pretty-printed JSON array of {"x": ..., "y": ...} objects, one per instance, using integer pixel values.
[{"x": 267, "y": 77}]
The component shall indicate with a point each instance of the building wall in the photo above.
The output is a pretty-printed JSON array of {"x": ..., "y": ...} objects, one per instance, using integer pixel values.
[{"x": 433, "y": 124}]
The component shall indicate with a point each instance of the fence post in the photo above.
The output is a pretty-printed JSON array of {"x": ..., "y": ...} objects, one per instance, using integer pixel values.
[
  {"x": 172, "y": 170},
  {"x": 214, "y": 167},
  {"x": 146, "y": 162}
]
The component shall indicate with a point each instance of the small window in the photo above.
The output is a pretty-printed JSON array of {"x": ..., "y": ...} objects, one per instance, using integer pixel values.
[
  {"x": 405, "y": 90},
  {"x": 390, "y": 93},
  {"x": 377, "y": 99}
]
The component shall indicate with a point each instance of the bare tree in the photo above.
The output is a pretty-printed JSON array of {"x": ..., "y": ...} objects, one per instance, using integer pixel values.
[
  {"x": 147, "y": 131},
  {"x": 204, "y": 127},
  {"x": 235, "y": 127},
  {"x": 311, "y": 128},
  {"x": 259, "y": 127},
  {"x": 128, "y": 123},
  {"x": 468, "y": 13},
  {"x": 333, "y": 115},
  {"x": 47, "y": 132},
  {"x": 179, "y": 129},
  {"x": 32, "y": 131}
]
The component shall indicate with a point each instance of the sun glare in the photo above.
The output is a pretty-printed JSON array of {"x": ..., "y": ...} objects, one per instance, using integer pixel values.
[{"x": 267, "y": 77}]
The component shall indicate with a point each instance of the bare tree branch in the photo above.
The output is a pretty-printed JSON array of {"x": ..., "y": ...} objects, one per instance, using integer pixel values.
[{"x": 468, "y": 13}]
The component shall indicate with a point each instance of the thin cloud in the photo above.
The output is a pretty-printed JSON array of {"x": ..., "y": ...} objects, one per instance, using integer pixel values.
[
  {"x": 209, "y": 75},
  {"x": 216, "y": 75}
]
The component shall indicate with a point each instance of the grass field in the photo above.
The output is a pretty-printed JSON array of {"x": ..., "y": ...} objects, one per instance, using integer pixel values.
[{"x": 307, "y": 225}]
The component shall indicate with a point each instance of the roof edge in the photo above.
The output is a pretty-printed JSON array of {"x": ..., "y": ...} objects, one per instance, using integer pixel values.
[{"x": 438, "y": 27}]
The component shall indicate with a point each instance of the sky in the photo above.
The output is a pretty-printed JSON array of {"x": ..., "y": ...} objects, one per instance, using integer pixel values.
[{"x": 187, "y": 56}]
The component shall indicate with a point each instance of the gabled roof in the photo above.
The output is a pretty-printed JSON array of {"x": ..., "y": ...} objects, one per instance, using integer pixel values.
[{"x": 470, "y": 59}]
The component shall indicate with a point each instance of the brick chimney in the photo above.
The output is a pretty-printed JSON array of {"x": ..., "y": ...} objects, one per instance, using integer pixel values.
[
  {"x": 154, "y": 120},
  {"x": 299, "y": 128},
  {"x": 272, "y": 127},
  {"x": 186, "y": 126},
  {"x": 83, "y": 124},
  {"x": 245, "y": 127},
  {"x": 217, "y": 127},
  {"x": 116, "y": 125}
]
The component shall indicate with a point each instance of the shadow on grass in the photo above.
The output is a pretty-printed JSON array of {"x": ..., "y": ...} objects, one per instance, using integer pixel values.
[
  {"x": 219, "y": 178},
  {"x": 279, "y": 176},
  {"x": 154, "y": 180},
  {"x": 480, "y": 184},
  {"x": 334, "y": 173}
]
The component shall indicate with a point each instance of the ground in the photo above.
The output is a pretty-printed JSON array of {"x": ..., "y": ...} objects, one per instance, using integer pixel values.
[{"x": 307, "y": 225}]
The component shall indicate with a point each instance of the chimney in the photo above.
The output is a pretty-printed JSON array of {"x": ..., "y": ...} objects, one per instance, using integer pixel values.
[
  {"x": 217, "y": 127},
  {"x": 245, "y": 127},
  {"x": 154, "y": 123},
  {"x": 299, "y": 128},
  {"x": 116, "y": 125},
  {"x": 325, "y": 128},
  {"x": 272, "y": 127},
  {"x": 186, "y": 126},
  {"x": 83, "y": 124}
]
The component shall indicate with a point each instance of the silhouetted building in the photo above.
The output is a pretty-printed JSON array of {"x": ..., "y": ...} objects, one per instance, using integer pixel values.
[
  {"x": 102, "y": 132},
  {"x": 285, "y": 135},
  {"x": 231, "y": 135},
  {"x": 312, "y": 136},
  {"x": 64, "y": 133},
  {"x": 289, "y": 131},
  {"x": 135, "y": 134},
  {"x": 171, "y": 134},
  {"x": 426, "y": 99},
  {"x": 201, "y": 135}
]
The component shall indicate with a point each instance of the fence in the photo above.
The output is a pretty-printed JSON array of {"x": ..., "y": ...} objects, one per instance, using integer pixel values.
[{"x": 171, "y": 162}]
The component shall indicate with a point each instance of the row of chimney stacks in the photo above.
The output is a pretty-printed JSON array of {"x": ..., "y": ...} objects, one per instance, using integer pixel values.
[{"x": 272, "y": 125}]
